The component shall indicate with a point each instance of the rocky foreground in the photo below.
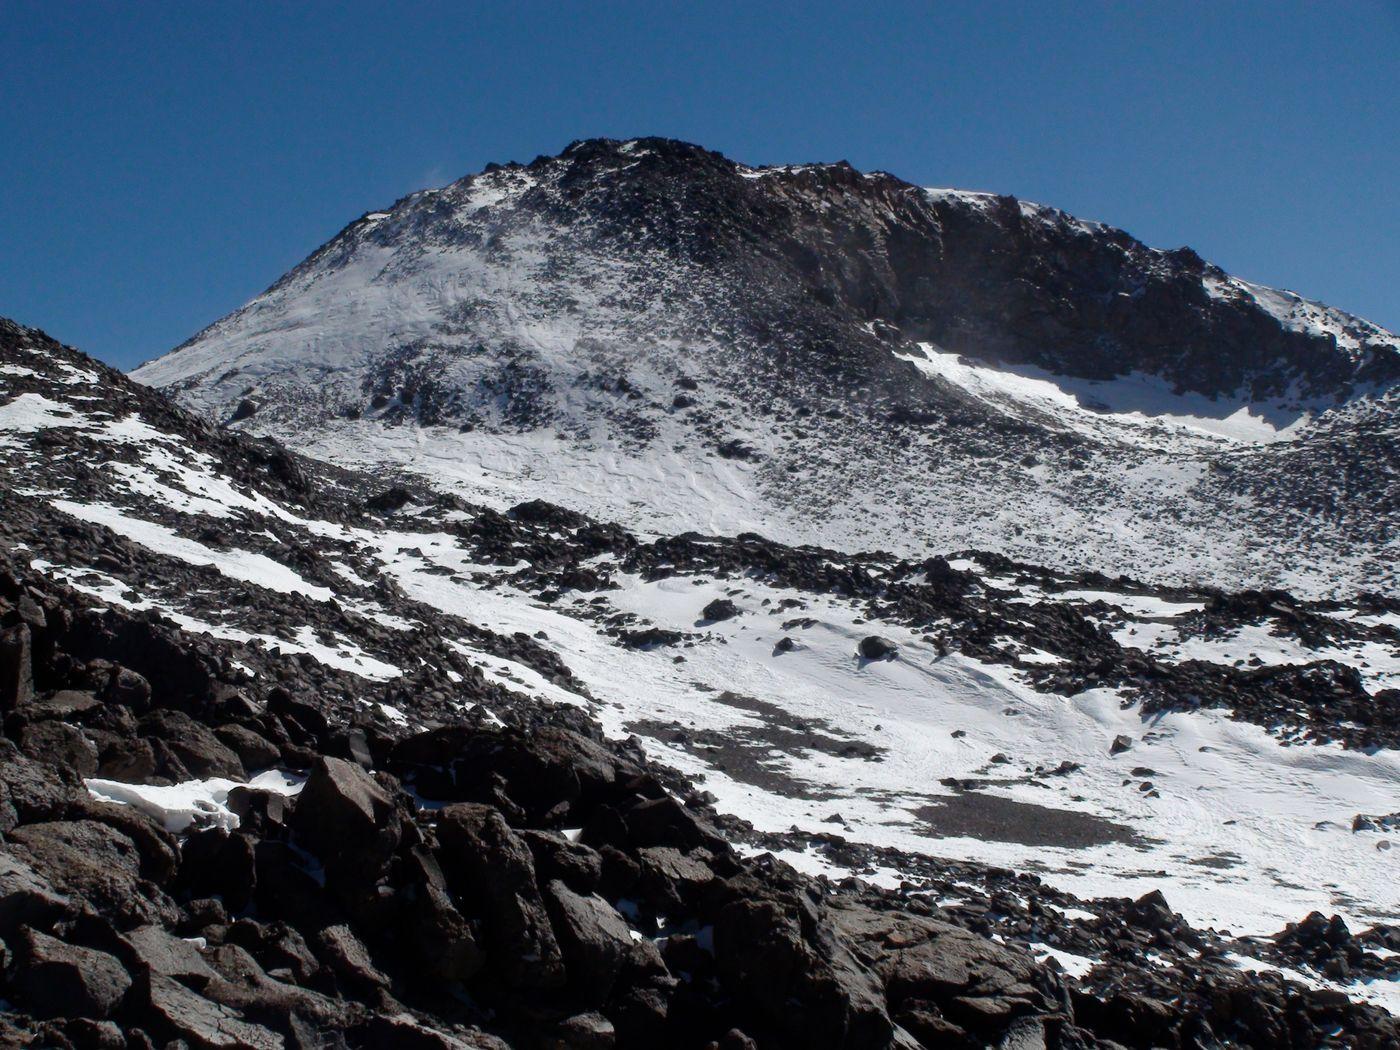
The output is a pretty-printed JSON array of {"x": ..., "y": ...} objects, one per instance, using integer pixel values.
[{"x": 484, "y": 884}]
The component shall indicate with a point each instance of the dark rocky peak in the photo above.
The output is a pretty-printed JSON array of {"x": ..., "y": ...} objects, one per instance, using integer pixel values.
[
  {"x": 842, "y": 332},
  {"x": 982, "y": 274},
  {"x": 990, "y": 276}
]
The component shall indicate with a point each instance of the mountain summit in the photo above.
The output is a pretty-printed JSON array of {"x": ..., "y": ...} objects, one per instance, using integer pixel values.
[{"x": 653, "y": 333}]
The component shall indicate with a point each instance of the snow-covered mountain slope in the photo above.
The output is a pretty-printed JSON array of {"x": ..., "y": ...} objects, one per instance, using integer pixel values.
[
  {"x": 652, "y": 333},
  {"x": 931, "y": 722}
]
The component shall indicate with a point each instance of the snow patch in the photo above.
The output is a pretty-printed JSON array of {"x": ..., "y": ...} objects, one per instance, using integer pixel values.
[{"x": 195, "y": 803}]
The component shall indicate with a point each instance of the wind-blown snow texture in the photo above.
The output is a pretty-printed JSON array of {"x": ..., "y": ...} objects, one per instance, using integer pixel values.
[
  {"x": 652, "y": 333},
  {"x": 1236, "y": 751}
]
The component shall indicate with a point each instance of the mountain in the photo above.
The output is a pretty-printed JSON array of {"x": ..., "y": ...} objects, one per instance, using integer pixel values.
[
  {"x": 648, "y": 332},
  {"x": 295, "y": 755}
]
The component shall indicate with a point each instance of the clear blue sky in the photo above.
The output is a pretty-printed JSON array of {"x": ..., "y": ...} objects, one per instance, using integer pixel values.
[{"x": 164, "y": 162}]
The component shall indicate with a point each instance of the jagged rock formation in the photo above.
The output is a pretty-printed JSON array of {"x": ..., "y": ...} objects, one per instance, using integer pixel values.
[{"x": 648, "y": 331}]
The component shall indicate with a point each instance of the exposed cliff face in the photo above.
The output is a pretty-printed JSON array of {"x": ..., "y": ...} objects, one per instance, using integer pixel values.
[{"x": 653, "y": 333}]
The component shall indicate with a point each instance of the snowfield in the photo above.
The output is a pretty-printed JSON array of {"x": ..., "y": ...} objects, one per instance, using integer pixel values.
[
  {"x": 1245, "y": 836},
  {"x": 1107, "y": 409},
  {"x": 1241, "y": 830}
]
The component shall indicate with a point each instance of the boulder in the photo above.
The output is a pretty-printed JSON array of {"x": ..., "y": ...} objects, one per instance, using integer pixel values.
[
  {"x": 492, "y": 875},
  {"x": 57, "y": 979},
  {"x": 253, "y": 750},
  {"x": 26, "y": 897},
  {"x": 159, "y": 850},
  {"x": 131, "y": 761},
  {"x": 1151, "y": 911},
  {"x": 545, "y": 773},
  {"x": 600, "y": 773},
  {"x": 16, "y": 667},
  {"x": 666, "y": 822},
  {"x": 594, "y": 938},
  {"x": 175, "y": 1012},
  {"x": 587, "y": 1031},
  {"x": 1387, "y": 822},
  {"x": 777, "y": 953},
  {"x": 290, "y": 888},
  {"x": 96, "y": 863},
  {"x": 620, "y": 873},
  {"x": 346, "y": 818},
  {"x": 926, "y": 1023},
  {"x": 671, "y": 882},
  {"x": 345, "y": 955},
  {"x": 935, "y": 969},
  {"x": 259, "y": 812},
  {"x": 195, "y": 745},
  {"x": 353, "y": 745},
  {"x": 163, "y": 953},
  {"x": 67, "y": 704},
  {"x": 735, "y": 1039},
  {"x": 641, "y": 1017},
  {"x": 719, "y": 609},
  {"x": 81, "y": 1032},
  {"x": 244, "y": 986},
  {"x": 62, "y": 744},
  {"x": 216, "y": 863},
  {"x": 439, "y": 941},
  {"x": 37, "y": 791},
  {"x": 403, "y": 1032},
  {"x": 277, "y": 946},
  {"x": 578, "y": 866},
  {"x": 873, "y": 647},
  {"x": 125, "y": 688}
]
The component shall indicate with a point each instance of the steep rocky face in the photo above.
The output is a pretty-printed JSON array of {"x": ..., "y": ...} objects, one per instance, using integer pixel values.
[
  {"x": 990, "y": 276},
  {"x": 822, "y": 266}
]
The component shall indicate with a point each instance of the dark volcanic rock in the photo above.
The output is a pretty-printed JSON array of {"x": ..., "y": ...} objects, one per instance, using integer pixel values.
[
  {"x": 58, "y": 979},
  {"x": 720, "y": 609},
  {"x": 164, "y": 954},
  {"x": 253, "y": 750},
  {"x": 26, "y": 897},
  {"x": 488, "y": 863},
  {"x": 779, "y": 953},
  {"x": 95, "y": 862},
  {"x": 198, "y": 748},
  {"x": 346, "y": 818},
  {"x": 594, "y": 938},
  {"x": 175, "y": 1012},
  {"x": 16, "y": 667},
  {"x": 876, "y": 648},
  {"x": 426, "y": 889}
]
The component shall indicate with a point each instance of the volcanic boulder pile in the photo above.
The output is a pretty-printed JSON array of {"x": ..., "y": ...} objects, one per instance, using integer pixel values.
[{"x": 465, "y": 885}]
